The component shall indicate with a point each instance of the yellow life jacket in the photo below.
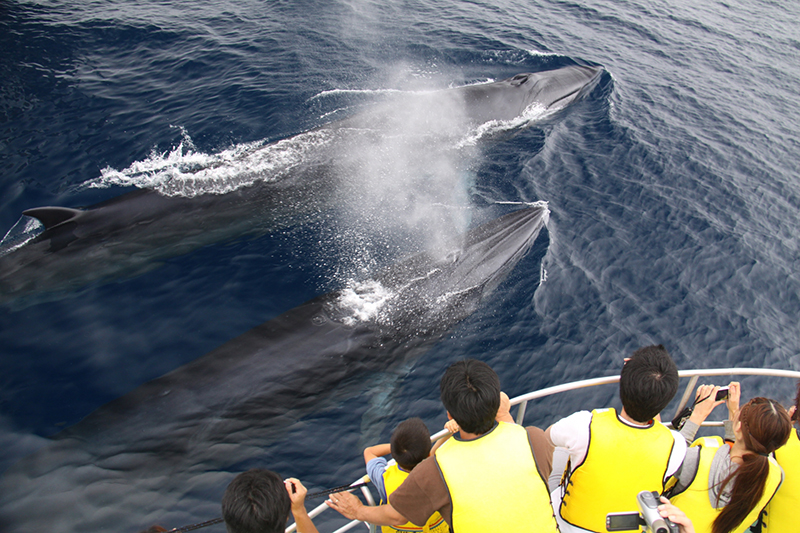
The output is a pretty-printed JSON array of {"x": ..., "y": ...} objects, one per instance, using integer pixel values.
[
  {"x": 494, "y": 484},
  {"x": 393, "y": 477},
  {"x": 621, "y": 461},
  {"x": 695, "y": 501},
  {"x": 780, "y": 515}
]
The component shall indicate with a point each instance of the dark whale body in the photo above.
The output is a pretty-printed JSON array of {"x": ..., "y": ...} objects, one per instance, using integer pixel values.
[
  {"x": 126, "y": 464},
  {"x": 128, "y": 235}
]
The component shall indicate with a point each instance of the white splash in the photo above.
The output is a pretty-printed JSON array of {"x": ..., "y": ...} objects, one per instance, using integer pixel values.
[
  {"x": 183, "y": 171},
  {"x": 26, "y": 229},
  {"x": 533, "y": 113},
  {"x": 363, "y": 301}
]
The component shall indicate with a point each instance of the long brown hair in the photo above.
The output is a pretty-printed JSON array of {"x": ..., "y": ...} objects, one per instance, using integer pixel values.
[{"x": 765, "y": 428}]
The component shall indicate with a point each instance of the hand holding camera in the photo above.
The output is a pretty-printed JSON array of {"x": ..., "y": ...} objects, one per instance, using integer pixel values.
[{"x": 654, "y": 516}]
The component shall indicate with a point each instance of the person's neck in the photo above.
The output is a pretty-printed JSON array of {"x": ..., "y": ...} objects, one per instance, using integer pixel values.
[
  {"x": 463, "y": 435},
  {"x": 738, "y": 449},
  {"x": 625, "y": 416}
]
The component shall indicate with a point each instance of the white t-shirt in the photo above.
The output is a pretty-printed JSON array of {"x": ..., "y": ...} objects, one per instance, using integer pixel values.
[{"x": 572, "y": 434}]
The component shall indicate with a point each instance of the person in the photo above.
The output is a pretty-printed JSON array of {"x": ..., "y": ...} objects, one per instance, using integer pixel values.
[
  {"x": 410, "y": 444},
  {"x": 259, "y": 501},
  {"x": 722, "y": 487},
  {"x": 613, "y": 456},
  {"x": 483, "y": 479},
  {"x": 668, "y": 510},
  {"x": 779, "y": 515}
]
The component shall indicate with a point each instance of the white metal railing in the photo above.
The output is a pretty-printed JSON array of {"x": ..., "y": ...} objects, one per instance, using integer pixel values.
[{"x": 522, "y": 402}]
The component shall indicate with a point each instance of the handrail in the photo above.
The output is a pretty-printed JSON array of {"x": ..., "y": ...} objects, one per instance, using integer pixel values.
[{"x": 523, "y": 400}]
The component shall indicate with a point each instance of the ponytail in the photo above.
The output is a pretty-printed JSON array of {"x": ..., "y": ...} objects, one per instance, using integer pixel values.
[{"x": 765, "y": 428}]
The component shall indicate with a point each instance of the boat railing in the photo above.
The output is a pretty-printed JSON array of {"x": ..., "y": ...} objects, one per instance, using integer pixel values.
[{"x": 522, "y": 403}]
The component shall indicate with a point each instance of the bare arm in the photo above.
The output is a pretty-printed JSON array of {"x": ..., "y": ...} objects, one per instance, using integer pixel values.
[
  {"x": 379, "y": 450},
  {"x": 297, "y": 493},
  {"x": 452, "y": 427},
  {"x": 351, "y": 507}
]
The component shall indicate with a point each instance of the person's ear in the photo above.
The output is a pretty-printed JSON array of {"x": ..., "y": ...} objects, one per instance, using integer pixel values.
[{"x": 449, "y": 416}]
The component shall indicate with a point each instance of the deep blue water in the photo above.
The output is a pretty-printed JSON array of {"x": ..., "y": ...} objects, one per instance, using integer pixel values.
[{"x": 673, "y": 189}]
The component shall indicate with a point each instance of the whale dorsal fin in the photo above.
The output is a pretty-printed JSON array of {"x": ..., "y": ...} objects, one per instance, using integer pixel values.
[{"x": 52, "y": 216}]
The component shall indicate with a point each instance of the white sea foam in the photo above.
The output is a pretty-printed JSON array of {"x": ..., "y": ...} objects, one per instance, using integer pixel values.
[
  {"x": 533, "y": 113},
  {"x": 363, "y": 301},
  {"x": 183, "y": 171},
  {"x": 26, "y": 229}
]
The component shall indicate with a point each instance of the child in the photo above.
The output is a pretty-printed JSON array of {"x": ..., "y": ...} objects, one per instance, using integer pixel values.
[{"x": 410, "y": 444}]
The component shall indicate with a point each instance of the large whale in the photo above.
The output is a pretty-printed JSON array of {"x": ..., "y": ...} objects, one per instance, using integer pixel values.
[
  {"x": 379, "y": 155},
  {"x": 126, "y": 464}
]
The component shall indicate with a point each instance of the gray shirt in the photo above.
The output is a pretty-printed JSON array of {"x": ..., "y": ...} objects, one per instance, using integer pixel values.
[{"x": 721, "y": 466}]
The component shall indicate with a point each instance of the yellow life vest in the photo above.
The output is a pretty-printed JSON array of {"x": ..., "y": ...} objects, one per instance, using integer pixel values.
[
  {"x": 621, "y": 461},
  {"x": 695, "y": 501},
  {"x": 393, "y": 477},
  {"x": 494, "y": 484},
  {"x": 780, "y": 514}
]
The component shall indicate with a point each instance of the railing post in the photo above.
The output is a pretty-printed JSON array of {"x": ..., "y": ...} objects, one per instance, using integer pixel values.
[
  {"x": 686, "y": 395},
  {"x": 521, "y": 412}
]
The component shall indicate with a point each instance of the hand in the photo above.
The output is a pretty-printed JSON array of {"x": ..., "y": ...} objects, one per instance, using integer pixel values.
[
  {"x": 708, "y": 395},
  {"x": 504, "y": 412},
  {"x": 347, "y": 504},
  {"x": 676, "y": 516},
  {"x": 452, "y": 426},
  {"x": 297, "y": 493},
  {"x": 732, "y": 402}
]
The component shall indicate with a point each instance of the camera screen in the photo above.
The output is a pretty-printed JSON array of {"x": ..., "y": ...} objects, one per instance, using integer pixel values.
[{"x": 622, "y": 522}]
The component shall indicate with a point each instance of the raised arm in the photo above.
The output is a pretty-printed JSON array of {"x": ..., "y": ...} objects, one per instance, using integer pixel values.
[
  {"x": 379, "y": 450},
  {"x": 351, "y": 507}
]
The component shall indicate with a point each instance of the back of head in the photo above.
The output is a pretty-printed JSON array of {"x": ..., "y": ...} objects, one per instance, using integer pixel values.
[
  {"x": 256, "y": 501},
  {"x": 470, "y": 391},
  {"x": 765, "y": 425},
  {"x": 411, "y": 443},
  {"x": 648, "y": 382},
  {"x": 796, "y": 414},
  {"x": 765, "y": 428}
]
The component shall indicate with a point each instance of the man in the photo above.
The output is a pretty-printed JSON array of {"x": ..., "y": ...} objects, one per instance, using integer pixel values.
[
  {"x": 259, "y": 501},
  {"x": 484, "y": 479},
  {"x": 612, "y": 457}
]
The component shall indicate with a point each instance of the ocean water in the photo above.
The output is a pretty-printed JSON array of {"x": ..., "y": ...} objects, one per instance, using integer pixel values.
[{"x": 672, "y": 184}]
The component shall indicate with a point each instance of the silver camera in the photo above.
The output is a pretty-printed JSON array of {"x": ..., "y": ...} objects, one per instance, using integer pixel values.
[{"x": 647, "y": 519}]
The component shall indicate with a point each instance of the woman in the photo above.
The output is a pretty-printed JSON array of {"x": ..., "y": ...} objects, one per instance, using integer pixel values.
[
  {"x": 781, "y": 513},
  {"x": 723, "y": 486}
]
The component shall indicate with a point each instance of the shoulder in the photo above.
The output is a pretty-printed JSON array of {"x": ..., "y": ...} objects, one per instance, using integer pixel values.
[
  {"x": 580, "y": 419},
  {"x": 376, "y": 466}
]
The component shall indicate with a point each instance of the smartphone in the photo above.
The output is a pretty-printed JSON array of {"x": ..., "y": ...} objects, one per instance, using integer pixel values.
[
  {"x": 722, "y": 393},
  {"x": 623, "y": 522}
]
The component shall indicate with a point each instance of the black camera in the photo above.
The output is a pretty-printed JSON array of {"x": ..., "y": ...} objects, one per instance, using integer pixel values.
[{"x": 647, "y": 519}]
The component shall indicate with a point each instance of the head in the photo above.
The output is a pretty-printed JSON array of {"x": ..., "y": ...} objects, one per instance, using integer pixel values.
[
  {"x": 256, "y": 501},
  {"x": 648, "y": 382},
  {"x": 411, "y": 443},
  {"x": 796, "y": 414},
  {"x": 470, "y": 391},
  {"x": 764, "y": 426}
]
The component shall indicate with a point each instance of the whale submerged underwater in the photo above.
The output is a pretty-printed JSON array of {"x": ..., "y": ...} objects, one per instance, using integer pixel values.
[
  {"x": 124, "y": 466},
  {"x": 255, "y": 188}
]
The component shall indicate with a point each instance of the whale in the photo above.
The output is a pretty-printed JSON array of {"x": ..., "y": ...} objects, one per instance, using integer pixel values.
[
  {"x": 125, "y": 464},
  {"x": 261, "y": 187}
]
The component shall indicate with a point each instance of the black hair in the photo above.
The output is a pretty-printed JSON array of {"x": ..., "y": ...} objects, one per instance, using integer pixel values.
[
  {"x": 256, "y": 501},
  {"x": 648, "y": 382},
  {"x": 470, "y": 391},
  {"x": 411, "y": 443}
]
